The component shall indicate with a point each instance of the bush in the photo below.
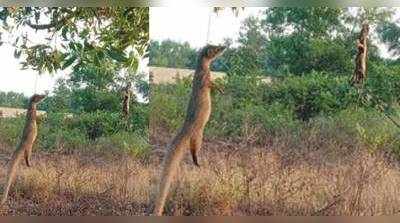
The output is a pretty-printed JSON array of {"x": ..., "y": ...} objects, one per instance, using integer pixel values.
[
  {"x": 98, "y": 124},
  {"x": 133, "y": 144},
  {"x": 11, "y": 129},
  {"x": 55, "y": 133},
  {"x": 168, "y": 104},
  {"x": 67, "y": 132},
  {"x": 311, "y": 95}
]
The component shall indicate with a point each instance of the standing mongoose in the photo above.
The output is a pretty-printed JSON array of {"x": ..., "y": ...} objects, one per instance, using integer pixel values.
[
  {"x": 24, "y": 148},
  {"x": 126, "y": 98},
  {"x": 197, "y": 115},
  {"x": 360, "y": 71}
]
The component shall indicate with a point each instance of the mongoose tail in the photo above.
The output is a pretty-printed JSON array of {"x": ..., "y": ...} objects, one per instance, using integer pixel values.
[
  {"x": 171, "y": 164},
  {"x": 12, "y": 172}
]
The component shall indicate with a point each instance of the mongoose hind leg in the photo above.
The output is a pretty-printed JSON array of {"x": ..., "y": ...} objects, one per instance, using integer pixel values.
[
  {"x": 195, "y": 145},
  {"x": 28, "y": 153}
]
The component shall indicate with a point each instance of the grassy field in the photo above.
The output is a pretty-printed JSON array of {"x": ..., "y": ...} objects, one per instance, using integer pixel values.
[
  {"x": 282, "y": 176},
  {"x": 79, "y": 184},
  {"x": 312, "y": 175}
]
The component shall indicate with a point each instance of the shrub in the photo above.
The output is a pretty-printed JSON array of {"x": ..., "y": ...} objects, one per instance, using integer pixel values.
[
  {"x": 311, "y": 95},
  {"x": 168, "y": 104},
  {"x": 11, "y": 129},
  {"x": 98, "y": 124},
  {"x": 133, "y": 144},
  {"x": 55, "y": 134}
]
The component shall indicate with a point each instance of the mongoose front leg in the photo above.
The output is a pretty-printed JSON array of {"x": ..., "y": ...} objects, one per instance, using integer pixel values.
[
  {"x": 218, "y": 88},
  {"x": 213, "y": 85},
  {"x": 195, "y": 145}
]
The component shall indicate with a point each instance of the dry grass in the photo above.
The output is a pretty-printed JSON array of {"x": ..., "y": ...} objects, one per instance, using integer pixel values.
[
  {"x": 311, "y": 176},
  {"x": 80, "y": 184}
]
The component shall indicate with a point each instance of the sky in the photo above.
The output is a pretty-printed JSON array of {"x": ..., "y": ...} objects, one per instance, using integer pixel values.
[
  {"x": 191, "y": 24},
  {"x": 29, "y": 81}
]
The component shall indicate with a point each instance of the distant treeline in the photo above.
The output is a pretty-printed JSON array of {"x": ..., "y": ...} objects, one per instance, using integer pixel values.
[{"x": 13, "y": 99}]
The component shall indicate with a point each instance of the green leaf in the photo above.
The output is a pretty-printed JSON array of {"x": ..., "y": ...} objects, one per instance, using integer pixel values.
[
  {"x": 117, "y": 55},
  {"x": 17, "y": 54},
  {"x": 64, "y": 32},
  {"x": 134, "y": 64},
  {"x": 69, "y": 61},
  {"x": 71, "y": 45}
]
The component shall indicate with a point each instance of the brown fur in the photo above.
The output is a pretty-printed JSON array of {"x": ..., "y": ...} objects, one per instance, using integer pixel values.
[
  {"x": 24, "y": 149},
  {"x": 126, "y": 99},
  {"x": 360, "y": 72},
  {"x": 191, "y": 134}
]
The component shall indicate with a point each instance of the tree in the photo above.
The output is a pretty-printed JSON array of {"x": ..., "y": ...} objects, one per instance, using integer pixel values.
[
  {"x": 13, "y": 99},
  {"x": 101, "y": 46},
  {"x": 389, "y": 33},
  {"x": 300, "y": 40},
  {"x": 77, "y": 35},
  {"x": 169, "y": 53}
]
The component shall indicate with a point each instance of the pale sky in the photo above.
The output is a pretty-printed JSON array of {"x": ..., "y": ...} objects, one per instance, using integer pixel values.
[
  {"x": 28, "y": 82},
  {"x": 191, "y": 24}
]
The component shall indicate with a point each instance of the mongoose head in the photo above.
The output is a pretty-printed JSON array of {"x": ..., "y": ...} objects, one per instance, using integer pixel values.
[
  {"x": 36, "y": 98},
  {"x": 211, "y": 52}
]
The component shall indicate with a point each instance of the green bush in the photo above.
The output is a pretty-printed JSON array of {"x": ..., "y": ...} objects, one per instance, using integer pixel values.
[
  {"x": 357, "y": 125},
  {"x": 133, "y": 144},
  {"x": 67, "y": 132},
  {"x": 313, "y": 94},
  {"x": 168, "y": 104},
  {"x": 55, "y": 133},
  {"x": 97, "y": 124},
  {"x": 11, "y": 129}
]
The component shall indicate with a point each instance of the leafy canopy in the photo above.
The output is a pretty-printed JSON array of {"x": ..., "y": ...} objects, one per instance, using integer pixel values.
[{"x": 116, "y": 36}]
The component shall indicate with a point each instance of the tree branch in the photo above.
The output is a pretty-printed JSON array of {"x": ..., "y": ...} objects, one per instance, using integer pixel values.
[{"x": 49, "y": 25}]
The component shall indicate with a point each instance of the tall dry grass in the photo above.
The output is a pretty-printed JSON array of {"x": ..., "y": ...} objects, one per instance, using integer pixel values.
[
  {"x": 310, "y": 175},
  {"x": 306, "y": 176}
]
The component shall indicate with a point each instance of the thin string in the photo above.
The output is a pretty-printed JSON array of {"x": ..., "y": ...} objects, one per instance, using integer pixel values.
[
  {"x": 36, "y": 83},
  {"x": 209, "y": 25}
]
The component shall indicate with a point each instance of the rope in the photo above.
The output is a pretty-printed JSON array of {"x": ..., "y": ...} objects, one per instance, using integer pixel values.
[
  {"x": 209, "y": 25},
  {"x": 36, "y": 83},
  {"x": 379, "y": 103}
]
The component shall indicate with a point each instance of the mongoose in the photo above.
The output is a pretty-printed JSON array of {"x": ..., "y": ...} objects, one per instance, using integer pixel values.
[
  {"x": 126, "y": 94},
  {"x": 191, "y": 134},
  {"x": 360, "y": 72},
  {"x": 24, "y": 148}
]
